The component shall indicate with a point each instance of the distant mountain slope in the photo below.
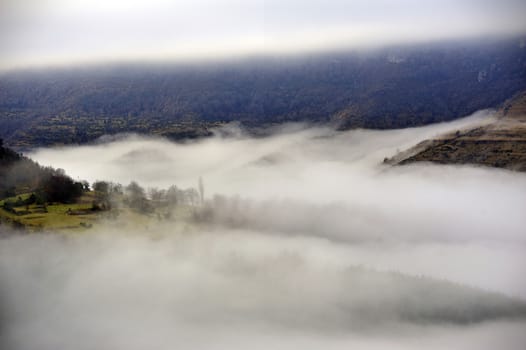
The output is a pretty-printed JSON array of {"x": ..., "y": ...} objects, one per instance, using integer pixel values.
[
  {"x": 501, "y": 144},
  {"x": 388, "y": 88}
]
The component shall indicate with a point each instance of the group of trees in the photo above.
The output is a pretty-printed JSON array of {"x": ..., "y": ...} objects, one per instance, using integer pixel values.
[
  {"x": 105, "y": 194},
  {"x": 58, "y": 187},
  {"x": 19, "y": 174},
  {"x": 109, "y": 195},
  {"x": 54, "y": 188}
]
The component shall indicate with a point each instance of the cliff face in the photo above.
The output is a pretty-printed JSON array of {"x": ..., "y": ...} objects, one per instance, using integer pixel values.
[{"x": 501, "y": 144}]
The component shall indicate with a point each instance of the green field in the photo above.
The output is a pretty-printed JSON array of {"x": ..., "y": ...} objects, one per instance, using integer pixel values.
[
  {"x": 79, "y": 217},
  {"x": 59, "y": 216}
]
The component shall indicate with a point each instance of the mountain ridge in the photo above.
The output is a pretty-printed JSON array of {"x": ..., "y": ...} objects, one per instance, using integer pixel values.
[{"x": 394, "y": 87}]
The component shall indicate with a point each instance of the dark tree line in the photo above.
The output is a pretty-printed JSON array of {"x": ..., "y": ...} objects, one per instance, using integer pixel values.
[
  {"x": 109, "y": 195},
  {"x": 59, "y": 187},
  {"x": 19, "y": 174}
]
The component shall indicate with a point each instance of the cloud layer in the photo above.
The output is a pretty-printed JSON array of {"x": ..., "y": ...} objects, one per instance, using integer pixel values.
[
  {"x": 57, "y": 31},
  {"x": 311, "y": 242},
  {"x": 229, "y": 289}
]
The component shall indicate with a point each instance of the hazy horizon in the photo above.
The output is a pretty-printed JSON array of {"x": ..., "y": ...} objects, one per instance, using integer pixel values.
[{"x": 57, "y": 32}]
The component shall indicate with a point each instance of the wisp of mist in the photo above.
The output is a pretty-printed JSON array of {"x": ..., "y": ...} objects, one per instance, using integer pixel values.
[{"x": 313, "y": 243}]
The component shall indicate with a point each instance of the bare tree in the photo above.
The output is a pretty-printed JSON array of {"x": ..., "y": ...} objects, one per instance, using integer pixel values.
[
  {"x": 201, "y": 190},
  {"x": 172, "y": 195},
  {"x": 136, "y": 197}
]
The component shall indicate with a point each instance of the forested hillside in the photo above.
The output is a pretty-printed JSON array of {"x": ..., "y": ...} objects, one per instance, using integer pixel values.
[
  {"x": 20, "y": 175},
  {"x": 388, "y": 88}
]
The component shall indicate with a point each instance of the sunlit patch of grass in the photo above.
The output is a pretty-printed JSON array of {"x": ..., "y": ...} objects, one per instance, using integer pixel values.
[
  {"x": 78, "y": 217},
  {"x": 55, "y": 216}
]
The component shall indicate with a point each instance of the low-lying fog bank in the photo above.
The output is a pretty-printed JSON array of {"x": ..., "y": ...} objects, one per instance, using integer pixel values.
[
  {"x": 312, "y": 242},
  {"x": 232, "y": 289}
]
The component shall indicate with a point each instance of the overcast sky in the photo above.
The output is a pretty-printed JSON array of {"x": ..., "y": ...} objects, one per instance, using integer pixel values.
[{"x": 41, "y": 32}]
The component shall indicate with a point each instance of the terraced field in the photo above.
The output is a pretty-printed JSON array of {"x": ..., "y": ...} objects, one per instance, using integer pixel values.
[{"x": 501, "y": 144}]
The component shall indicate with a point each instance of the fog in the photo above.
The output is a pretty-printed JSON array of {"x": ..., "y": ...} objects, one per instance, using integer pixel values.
[
  {"x": 35, "y": 32},
  {"x": 306, "y": 240}
]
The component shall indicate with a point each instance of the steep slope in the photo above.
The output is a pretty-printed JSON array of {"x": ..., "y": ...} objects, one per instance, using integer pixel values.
[
  {"x": 501, "y": 144},
  {"x": 19, "y": 175}
]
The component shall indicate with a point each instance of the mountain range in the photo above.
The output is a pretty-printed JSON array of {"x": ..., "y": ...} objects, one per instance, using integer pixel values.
[{"x": 394, "y": 87}]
